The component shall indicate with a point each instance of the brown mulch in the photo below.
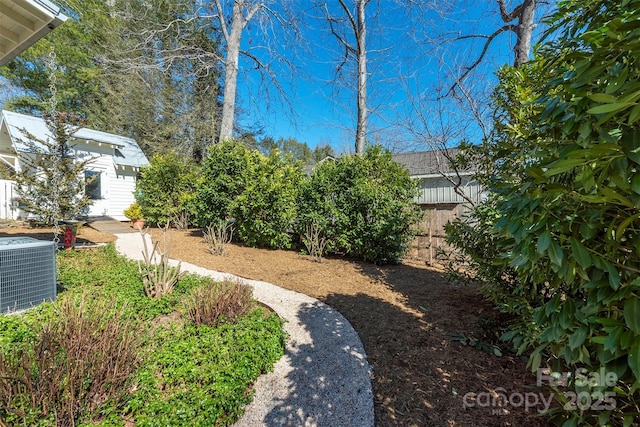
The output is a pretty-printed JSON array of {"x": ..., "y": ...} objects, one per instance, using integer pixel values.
[{"x": 405, "y": 315}]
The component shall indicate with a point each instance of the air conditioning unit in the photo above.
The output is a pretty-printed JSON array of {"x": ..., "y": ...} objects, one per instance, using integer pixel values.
[{"x": 27, "y": 273}]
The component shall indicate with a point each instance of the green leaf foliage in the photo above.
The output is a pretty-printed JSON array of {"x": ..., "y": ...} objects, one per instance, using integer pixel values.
[
  {"x": 166, "y": 187},
  {"x": 564, "y": 173},
  {"x": 362, "y": 204},
  {"x": 225, "y": 174},
  {"x": 266, "y": 209}
]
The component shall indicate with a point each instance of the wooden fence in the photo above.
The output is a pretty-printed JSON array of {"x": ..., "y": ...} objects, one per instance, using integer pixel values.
[{"x": 430, "y": 243}]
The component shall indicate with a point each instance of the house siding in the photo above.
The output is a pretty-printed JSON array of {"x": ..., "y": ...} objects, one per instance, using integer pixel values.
[
  {"x": 123, "y": 186},
  {"x": 117, "y": 158},
  {"x": 117, "y": 184},
  {"x": 7, "y": 194}
]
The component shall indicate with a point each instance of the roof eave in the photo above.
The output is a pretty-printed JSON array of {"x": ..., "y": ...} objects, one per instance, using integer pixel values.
[{"x": 56, "y": 18}]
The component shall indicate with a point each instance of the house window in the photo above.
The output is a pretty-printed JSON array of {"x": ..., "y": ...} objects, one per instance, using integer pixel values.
[{"x": 92, "y": 186}]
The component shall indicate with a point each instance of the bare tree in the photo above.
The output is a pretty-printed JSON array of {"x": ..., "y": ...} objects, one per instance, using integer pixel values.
[
  {"x": 350, "y": 30},
  {"x": 242, "y": 13},
  {"x": 519, "y": 21},
  {"x": 226, "y": 22}
]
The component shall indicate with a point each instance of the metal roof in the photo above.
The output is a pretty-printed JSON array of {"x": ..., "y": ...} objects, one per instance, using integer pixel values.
[
  {"x": 126, "y": 151},
  {"x": 23, "y": 22},
  {"x": 423, "y": 163}
]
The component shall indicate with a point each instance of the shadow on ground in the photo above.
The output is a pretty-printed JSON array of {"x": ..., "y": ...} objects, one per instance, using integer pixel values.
[
  {"x": 421, "y": 376},
  {"x": 325, "y": 392}
]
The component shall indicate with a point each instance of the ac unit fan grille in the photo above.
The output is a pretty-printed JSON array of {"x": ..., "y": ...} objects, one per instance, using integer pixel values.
[{"x": 27, "y": 273}]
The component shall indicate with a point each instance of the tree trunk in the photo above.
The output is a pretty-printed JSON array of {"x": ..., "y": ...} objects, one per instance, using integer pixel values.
[
  {"x": 523, "y": 33},
  {"x": 231, "y": 72},
  {"x": 361, "y": 129}
]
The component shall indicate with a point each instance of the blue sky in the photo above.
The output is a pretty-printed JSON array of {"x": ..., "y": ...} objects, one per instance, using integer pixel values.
[
  {"x": 407, "y": 63},
  {"x": 404, "y": 67}
]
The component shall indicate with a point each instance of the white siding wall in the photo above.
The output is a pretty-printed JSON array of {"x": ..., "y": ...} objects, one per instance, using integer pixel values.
[
  {"x": 116, "y": 185},
  {"x": 122, "y": 185},
  {"x": 7, "y": 193}
]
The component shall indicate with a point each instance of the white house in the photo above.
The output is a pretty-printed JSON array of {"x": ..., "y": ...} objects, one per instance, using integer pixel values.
[{"x": 115, "y": 165}]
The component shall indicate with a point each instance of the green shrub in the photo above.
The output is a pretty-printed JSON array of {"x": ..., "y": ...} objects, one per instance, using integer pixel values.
[
  {"x": 362, "y": 205},
  {"x": 133, "y": 212},
  {"x": 567, "y": 184},
  {"x": 165, "y": 188},
  {"x": 266, "y": 210},
  {"x": 225, "y": 173}
]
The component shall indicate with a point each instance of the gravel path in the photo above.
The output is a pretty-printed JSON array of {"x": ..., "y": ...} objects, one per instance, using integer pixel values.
[{"x": 323, "y": 379}]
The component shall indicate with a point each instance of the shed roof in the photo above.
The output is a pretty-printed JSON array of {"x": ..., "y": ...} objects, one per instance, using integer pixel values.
[
  {"x": 126, "y": 151},
  {"x": 23, "y": 22},
  {"x": 433, "y": 162}
]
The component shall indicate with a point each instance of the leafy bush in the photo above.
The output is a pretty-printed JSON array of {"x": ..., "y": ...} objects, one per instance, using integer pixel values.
[
  {"x": 133, "y": 212},
  {"x": 213, "y": 304},
  {"x": 225, "y": 173},
  {"x": 82, "y": 357},
  {"x": 362, "y": 205},
  {"x": 165, "y": 188},
  {"x": 567, "y": 190},
  {"x": 265, "y": 210}
]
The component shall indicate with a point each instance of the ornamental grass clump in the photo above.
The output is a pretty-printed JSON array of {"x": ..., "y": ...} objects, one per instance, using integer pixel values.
[
  {"x": 217, "y": 236},
  {"x": 216, "y": 303}
]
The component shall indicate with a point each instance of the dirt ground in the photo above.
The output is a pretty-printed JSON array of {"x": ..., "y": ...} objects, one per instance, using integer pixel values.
[{"x": 405, "y": 315}]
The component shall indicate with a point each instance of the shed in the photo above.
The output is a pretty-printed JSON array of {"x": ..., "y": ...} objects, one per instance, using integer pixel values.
[
  {"x": 438, "y": 195},
  {"x": 115, "y": 165}
]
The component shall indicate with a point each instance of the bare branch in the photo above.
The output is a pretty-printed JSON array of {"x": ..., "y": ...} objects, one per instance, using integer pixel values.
[
  {"x": 221, "y": 21},
  {"x": 508, "y": 17},
  {"x": 471, "y": 67}
]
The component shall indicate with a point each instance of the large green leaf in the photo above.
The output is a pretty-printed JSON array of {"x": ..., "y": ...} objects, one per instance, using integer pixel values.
[
  {"x": 544, "y": 241},
  {"x": 610, "y": 108},
  {"x": 578, "y": 337},
  {"x": 632, "y": 314},
  {"x": 580, "y": 253},
  {"x": 633, "y": 359}
]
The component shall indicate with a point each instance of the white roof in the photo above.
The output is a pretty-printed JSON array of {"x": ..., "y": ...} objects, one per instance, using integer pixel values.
[
  {"x": 24, "y": 22},
  {"x": 127, "y": 151}
]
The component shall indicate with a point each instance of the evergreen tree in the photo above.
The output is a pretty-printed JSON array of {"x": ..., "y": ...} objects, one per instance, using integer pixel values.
[{"x": 51, "y": 182}]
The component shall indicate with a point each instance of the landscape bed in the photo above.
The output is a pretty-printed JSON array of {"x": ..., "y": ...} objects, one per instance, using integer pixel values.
[{"x": 105, "y": 353}]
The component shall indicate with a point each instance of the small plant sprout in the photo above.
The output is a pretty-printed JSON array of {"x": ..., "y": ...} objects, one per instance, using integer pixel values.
[
  {"x": 314, "y": 241},
  {"x": 217, "y": 236}
]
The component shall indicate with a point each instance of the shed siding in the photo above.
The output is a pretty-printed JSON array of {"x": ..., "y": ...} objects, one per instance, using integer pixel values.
[
  {"x": 123, "y": 186},
  {"x": 7, "y": 194},
  {"x": 440, "y": 190}
]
